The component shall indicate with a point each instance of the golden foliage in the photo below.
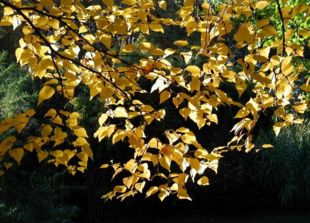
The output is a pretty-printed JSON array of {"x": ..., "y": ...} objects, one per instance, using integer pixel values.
[{"x": 68, "y": 44}]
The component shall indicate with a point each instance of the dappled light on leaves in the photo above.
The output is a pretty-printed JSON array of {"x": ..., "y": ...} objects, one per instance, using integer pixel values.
[{"x": 107, "y": 47}]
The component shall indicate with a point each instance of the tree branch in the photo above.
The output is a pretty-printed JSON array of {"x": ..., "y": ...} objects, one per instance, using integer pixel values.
[{"x": 282, "y": 26}]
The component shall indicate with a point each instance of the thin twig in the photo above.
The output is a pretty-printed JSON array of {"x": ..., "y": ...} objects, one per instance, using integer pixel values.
[{"x": 282, "y": 27}]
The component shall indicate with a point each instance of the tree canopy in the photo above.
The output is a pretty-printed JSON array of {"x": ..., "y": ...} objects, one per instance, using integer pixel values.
[{"x": 162, "y": 74}]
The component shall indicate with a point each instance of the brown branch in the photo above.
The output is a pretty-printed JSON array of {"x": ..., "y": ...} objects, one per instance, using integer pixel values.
[{"x": 282, "y": 26}]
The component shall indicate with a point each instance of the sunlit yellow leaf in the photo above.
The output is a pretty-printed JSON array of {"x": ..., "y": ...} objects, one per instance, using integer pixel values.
[
  {"x": 182, "y": 194},
  {"x": 45, "y": 93},
  {"x": 213, "y": 118},
  {"x": 162, "y": 4},
  {"x": 129, "y": 2},
  {"x": 80, "y": 132},
  {"x": 261, "y": 4},
  {"x": 301, "y": 108},
  {"x": 151, "y": 191},
  {"x": 156, "y": 27},
  {"x": 305, "y": 87},
  {"x": 243, "y": 112},
  {"x": 241, "y": 86},
  {"x": 139, "y": 186},
  {"x": 120, "y": 112},
  {"x": 181, "y": 42},
  {"x": 165, "y": 162},
  {"x": 103, "y": 118},
  {"x": 46, "y": 130},
  {"x": 106, "y": 40},
  {"x": 267, "y": 146},
  {"x": 203, "y": 181},
  {"x": 194, "y": 70},
  {"x": 164, "y": 96},
  {"x": 277, "y": 128},
  {"x": 120, "y": 189}
]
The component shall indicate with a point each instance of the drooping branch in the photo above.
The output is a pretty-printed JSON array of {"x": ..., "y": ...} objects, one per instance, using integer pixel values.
[
  {"x": 37, "y": 31},
  {"x": 282, "y": 27}
]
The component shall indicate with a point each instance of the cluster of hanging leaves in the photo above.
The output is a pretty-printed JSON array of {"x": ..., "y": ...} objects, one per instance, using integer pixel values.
[{"x": 68, "y": 43}]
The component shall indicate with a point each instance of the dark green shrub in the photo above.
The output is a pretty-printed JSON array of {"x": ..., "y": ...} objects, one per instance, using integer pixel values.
[{"x": 286, "y": 168}]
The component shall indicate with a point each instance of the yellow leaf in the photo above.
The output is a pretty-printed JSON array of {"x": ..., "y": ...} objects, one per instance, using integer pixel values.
[
  {"x": 203, "y": 181},
  {"x": 243, "y": 112},
  {"x": 42, "y": 155},
  {"x": 269, "y": 30},
  {"x": 188, "y": 138},
  {"x": 267, "y": 146},
  {"x": 139, "y": 186},
  {"x": 57, "y": 153},
  {"x": 108, "y": 3},
  {"x": 181, "y": 42},
  {"x": 195, "y": 83},
  {"x": 169, "y": 52},
  {"x": 8, "y": 165},
  {"x": 164, "y": 96},
  {"x": 8, "y": 11},
  {"x": 194, "y": 70},
  {"x": 51, "y": 113},
  {"x": 162, "y": 195},
  {"x": 301, "y": 108},
  {"x": 241, "y": 86},
  {"x": 131, "y": 165},
  {"x": 156, "y": 27},
  {"x": 154, "y": 143},
  {"x": 129, "y": 2},
  {"x": 105, "y": 165},
  {"x": 6, "y": 144},
  {"x": 286, "y": 66},
  {"x": 146, "y": 46},
  {"x": 165, "y": 162},
  {"x": 54, "y": 23},
  {"x": 185, "y": 112},
  {"x": 195, "y": 163},
  {"x": 106, "y": 40},
  {"x": 277, "y": 127},
  {"x": 46, "y": 130},
  {"x": 18, "y": 53},
  {"x": 57, "y": 120},
  {"x": 261, "y": 4},
  {"x": 162, "y": 4},
  {"x": 80, "y": 141},
  {"x": 118, "y": 135},
  {"x": 187, "y": 56},
  {"x": 182, "y": 194},
  {"x": 103, "y": 118},
  {"x": 86, "y": 149},
  {"x": 45, "y": 93},
  {"x": 213, "y": 118},
  {"x": 120, "y": 112},
  {"x": 151, "y": 191},
  {"x": 305, "y": 87},
  {"x": 80, "y": 132},
  {"x": 6, "y": 124},
  {"x": 17, "y": 154},
  {"x": 120, "y": 189}
]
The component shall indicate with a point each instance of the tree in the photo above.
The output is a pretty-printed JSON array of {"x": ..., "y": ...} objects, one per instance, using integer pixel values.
[{"x": 156, "y": 100}]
